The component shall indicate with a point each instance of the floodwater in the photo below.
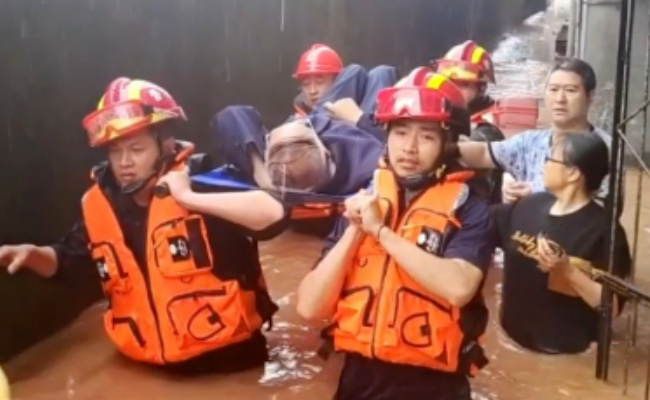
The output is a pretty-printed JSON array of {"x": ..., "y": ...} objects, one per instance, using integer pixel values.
[{"x": 79, "y": 363}]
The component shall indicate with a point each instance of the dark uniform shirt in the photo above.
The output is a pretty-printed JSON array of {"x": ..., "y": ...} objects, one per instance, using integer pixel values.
[
  {"x": 371, "y": 379},
  {"x": 235, "y": 246}
]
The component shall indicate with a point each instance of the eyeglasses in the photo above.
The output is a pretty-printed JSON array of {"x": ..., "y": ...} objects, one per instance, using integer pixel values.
[
  {"x": 290, "y": 150},
  {"x": 555, "y": 161}
]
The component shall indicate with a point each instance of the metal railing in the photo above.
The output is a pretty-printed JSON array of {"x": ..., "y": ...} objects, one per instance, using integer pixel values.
[{"x": 621, "y": 144}]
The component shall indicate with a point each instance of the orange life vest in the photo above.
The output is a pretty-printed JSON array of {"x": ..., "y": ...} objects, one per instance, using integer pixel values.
[
  {"x": 181, "y": 309},
  {"x": 383, "y": 313}
]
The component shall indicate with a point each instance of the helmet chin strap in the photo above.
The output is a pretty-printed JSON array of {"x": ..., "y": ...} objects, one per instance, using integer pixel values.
[
  {"x": 422, "y": 180},
  {"x": 158, "y": 169},
  {"x": 136, "y": 186},
  {"x": 419, "y": 181}
]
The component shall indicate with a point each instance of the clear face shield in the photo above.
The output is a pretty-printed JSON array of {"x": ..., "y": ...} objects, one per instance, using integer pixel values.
[{"x": 296, "y": 159}]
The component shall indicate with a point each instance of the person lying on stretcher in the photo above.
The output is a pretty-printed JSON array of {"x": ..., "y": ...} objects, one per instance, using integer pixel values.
[{"x": 316, "y": 154}]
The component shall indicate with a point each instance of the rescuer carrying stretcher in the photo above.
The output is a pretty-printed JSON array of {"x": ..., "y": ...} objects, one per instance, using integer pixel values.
[
  {"x": 401, "y": 274},
  {"x": 471, "y": 68},
  {"x": 181, "y": 272},
  {"x": 327, "y": 85}
]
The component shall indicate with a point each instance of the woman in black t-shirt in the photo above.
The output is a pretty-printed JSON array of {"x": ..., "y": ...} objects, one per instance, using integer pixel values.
[{"x": 548, "y": 304}]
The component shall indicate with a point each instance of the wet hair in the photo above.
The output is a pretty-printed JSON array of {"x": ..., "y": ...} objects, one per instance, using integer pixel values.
[
  {"x": 588, "y": 152},
  {"x": 581, "y": 68},
  {"x": 300, "y": 165}
]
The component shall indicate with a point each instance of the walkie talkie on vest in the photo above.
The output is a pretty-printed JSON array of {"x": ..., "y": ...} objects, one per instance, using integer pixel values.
[{"x": 161, "y": 191}]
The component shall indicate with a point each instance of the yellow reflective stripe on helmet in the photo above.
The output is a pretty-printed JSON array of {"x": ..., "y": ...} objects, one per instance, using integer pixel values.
[
  {"x": 133, "y": 90},
  {"x": 458, "y": 73},
  {"x": 477, "y": 54},
  {"x": 436, "y": 81}
]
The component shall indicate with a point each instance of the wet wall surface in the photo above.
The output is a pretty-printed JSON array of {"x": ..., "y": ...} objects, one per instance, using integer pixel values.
[{"x": 57, "y": 56}]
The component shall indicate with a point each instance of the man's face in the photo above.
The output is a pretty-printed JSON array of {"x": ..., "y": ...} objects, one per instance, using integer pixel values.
[
  {"x": 566, "y": 99},
  {"x": 299, "y": 130},
  {"x": 315, "y": 86},
  {"x": 133, "y": 158},
  {"x": 470, "y": 90},
  {"x": 414, "y": 147},
  {"x": 295, "y": 157}
]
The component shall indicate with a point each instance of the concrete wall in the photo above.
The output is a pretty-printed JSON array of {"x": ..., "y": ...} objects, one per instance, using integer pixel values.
[{"x": 57, "y": 56}]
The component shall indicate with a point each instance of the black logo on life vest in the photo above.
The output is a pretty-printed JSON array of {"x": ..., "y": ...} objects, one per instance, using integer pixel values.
[
  {"x": 179, "y": 248},
  {"x": 429, "y": 240},
  {"x": 100, "y": 263}
]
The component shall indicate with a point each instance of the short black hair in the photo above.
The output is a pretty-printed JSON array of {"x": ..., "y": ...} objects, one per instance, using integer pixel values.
[
  {"x": 487, "y": 133},
  {"x": 588, "y": 152},
  {"x": 579, "y": 67}
]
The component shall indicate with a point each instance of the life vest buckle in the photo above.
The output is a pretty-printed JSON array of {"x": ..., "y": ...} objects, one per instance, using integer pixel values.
[
  {"x": 473, "y": 355},
  {"x": 327, "y": 346},
  {"x": 326, "y": 349}
]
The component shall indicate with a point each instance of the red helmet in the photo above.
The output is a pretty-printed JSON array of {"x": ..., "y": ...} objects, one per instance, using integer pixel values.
[
  {"x": 467, "y": 62},
  {"x": 128, "y": 106},
  {"x": 445, "y": 86},
  {"x": 417, "y": 77},
  {"x": 438, "y": 100},
  {"x": 318, "y": 59},
  {"x": 411, "y": 103}
]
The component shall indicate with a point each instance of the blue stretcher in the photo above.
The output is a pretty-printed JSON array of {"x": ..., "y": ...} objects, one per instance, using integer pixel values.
[{"x": 225, "y": 178}]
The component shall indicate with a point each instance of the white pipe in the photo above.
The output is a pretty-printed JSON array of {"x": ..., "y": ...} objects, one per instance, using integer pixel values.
[
  {"x": 583, "y": 31},
  {"x": 577, "y": 27},
  {"x": 4, "y": 386}
]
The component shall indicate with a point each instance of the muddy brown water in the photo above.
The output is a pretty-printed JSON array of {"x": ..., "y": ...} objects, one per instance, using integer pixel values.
[{"x": 80, "y": 363}]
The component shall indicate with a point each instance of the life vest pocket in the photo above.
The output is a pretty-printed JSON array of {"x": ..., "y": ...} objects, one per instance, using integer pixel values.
[
  {"x": 420, "y": 322},
  {"x": 125, "y": 332},
  {"x": 208, "y": 316},
  {"x": 181, "y": 247},
  {"x": 354, "y": 314},
  {"x": 113, "y": 277}
]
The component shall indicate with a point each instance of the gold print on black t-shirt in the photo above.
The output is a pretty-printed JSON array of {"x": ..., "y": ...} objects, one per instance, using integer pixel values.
[{"x": 526, "y": 244}]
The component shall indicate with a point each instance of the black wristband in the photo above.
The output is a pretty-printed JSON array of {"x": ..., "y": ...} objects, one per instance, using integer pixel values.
[{"x": 379, "y": 231}]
